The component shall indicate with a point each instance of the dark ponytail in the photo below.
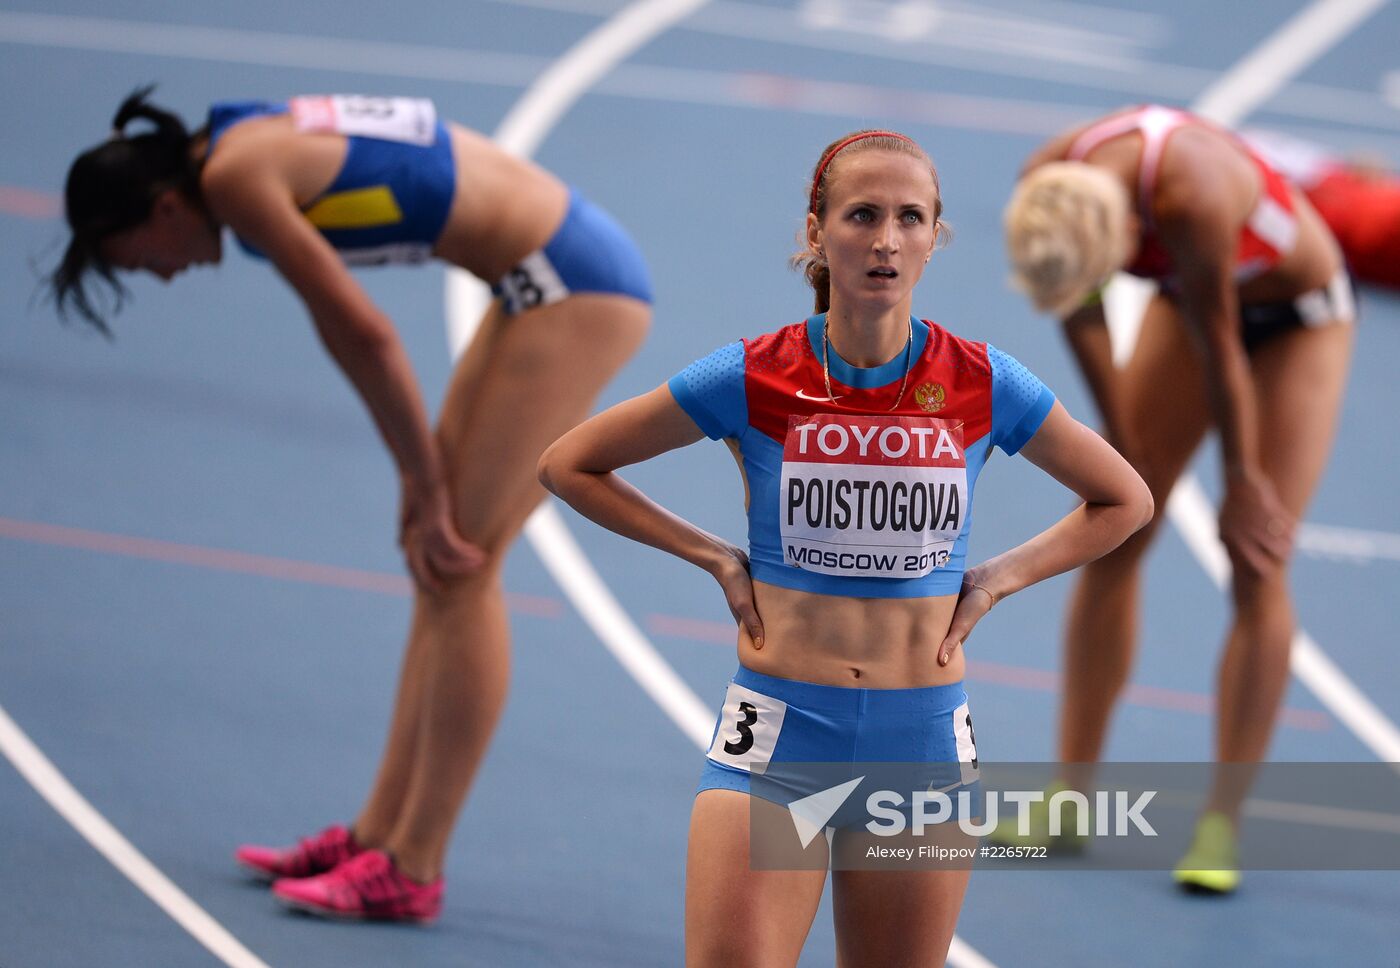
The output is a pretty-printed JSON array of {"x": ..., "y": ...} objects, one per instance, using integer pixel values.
[
  {"x": 818, "y": 276},
  {"x": 111, "y": 188}
]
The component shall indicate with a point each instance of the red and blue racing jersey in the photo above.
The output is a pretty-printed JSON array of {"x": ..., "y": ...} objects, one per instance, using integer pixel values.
[{"x": 845, "y": 496}]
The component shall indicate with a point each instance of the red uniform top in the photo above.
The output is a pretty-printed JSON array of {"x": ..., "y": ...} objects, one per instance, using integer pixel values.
[{"x": 1265, "y": 238}]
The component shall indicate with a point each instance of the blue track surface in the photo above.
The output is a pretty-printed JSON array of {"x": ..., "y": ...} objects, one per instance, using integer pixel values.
[{"x": 199, "y": 705}]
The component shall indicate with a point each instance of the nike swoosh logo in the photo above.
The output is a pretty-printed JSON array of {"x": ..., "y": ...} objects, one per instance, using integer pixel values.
[
  {"x": 803, "y": 395},
  {"x": 945, "y": 789}
]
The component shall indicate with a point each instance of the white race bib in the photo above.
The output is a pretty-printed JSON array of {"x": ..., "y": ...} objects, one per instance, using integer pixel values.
[
  {"x": 872, "y": 496},
  {"x": 412, "y": 120},
  {"x": 749, "y": 724},
  {"x": 967, "y": 744},
  {"x": 533, "y": 282}
]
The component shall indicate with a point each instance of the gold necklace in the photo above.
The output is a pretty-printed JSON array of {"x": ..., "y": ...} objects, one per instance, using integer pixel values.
[{"x": 903, "y": 383}]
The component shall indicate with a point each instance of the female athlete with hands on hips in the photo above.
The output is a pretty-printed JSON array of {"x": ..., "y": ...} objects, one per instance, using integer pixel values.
[
  {"x": 1254, "y": 304},
  {"x": 311, "y": 185},
  {"x": 860, "y": 432}
]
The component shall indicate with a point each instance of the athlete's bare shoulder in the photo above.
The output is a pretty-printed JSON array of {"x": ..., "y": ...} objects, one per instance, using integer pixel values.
[
  {"x": 271, "y": 147},
  {"x": 1053, "y": 150},
  {"x": 1207, "y": 170}
]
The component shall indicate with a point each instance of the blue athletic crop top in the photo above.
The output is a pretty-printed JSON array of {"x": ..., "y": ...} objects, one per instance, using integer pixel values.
[
  {"x": 391, "y": 198},
  {"x": 847, "y": 498}
]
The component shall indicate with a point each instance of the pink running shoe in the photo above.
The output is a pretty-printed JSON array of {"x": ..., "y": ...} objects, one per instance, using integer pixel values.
[
  {"x": 367, "y": 886},
  {"x": 311, "y": 855}
]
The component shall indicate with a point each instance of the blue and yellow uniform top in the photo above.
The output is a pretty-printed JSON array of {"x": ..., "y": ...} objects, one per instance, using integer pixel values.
[
  {"x": 845, "y": 496},
  {"x": 391, "y": 198}
]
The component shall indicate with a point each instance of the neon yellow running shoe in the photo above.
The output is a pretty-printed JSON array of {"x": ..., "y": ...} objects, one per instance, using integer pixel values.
[
  {"x": 1212, "y": 865},
  {"x": 1007, "y": 832}
]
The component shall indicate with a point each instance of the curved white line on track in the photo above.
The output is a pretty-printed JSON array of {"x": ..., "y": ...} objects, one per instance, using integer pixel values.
[
  {"x": 521, "y": 131},
  {"x": 1292, "y": 47},
  {"x": 44, "y": 777},
  {"x": 566, "y": 563},
  {"x": 558, "y": 88},
  {"x": 1304, "y": 38}
]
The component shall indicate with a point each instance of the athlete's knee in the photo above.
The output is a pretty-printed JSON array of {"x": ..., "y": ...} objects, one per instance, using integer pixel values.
[
  {"x": 484, "y": 578},
  {"x": 1264, "y": 583},
  {"x": 493, "y": 563},
  {"x": 1263, "y": 602}
]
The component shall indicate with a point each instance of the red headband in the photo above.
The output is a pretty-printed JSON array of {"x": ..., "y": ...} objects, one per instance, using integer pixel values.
[{"x": 821, "y": 169}]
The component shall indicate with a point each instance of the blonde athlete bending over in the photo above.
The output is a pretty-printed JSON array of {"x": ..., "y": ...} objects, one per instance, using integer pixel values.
[
  {"x": 1251, "y": 334},
  {"x": 860, "y": 432},
  {"x": 311, "y": 185}
]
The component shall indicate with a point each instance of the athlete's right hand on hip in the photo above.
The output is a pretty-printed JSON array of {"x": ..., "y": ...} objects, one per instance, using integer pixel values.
[{"x": 732, "y": 573}]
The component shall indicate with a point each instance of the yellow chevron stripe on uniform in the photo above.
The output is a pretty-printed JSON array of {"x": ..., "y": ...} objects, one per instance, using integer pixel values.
[{"x": 359, "y": 208}]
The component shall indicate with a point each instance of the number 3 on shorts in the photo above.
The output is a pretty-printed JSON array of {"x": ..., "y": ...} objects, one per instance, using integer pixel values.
[
  {"x": 967, "y": 743},
  {"x": 749, "y": 725}
]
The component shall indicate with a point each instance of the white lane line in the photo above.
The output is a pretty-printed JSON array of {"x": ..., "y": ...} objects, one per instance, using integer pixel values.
[
  {"x": 1310, "y": 33},
  {"x": 946, "y": 49},
  {"x": 45, "y": 778},
  {"x": 1315, "y": 669},
  {"x": 1190, "y": 510},
  {"x": 268, "y": 48},
  {"x": 1317, "y": 815},
  {"x": 522, "y": 130},
  {"x": 1291, "y": 811},
  {"x": 1255, "y": 79},
  {"x": 565, "y": 561},
  {"x": 1359, "y": 544},
  {"x": 555, "y": 91},
  {"x": 1361, "y": 109}
]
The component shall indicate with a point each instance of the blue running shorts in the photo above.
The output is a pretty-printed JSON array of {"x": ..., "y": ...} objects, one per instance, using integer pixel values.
[
  {"x": 589, "y": 253},
  {"x": 782, "y": 740}
]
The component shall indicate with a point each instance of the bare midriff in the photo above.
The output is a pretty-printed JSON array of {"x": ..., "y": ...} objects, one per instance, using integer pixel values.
[
  {"x": 504, "y": 209},
  {"x": 873, "y": 643}
]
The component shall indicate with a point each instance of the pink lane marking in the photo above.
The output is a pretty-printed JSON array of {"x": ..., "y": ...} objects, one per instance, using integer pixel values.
[
  {"x": 218, "y": 559},
  {"x": 27, "y": 203},
  {"x": 1204, "y": 704},
  {"x": 695, "y": 629},
  {"x": 539, "y": 605},
  {"x": 1017, "y": 677}
]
